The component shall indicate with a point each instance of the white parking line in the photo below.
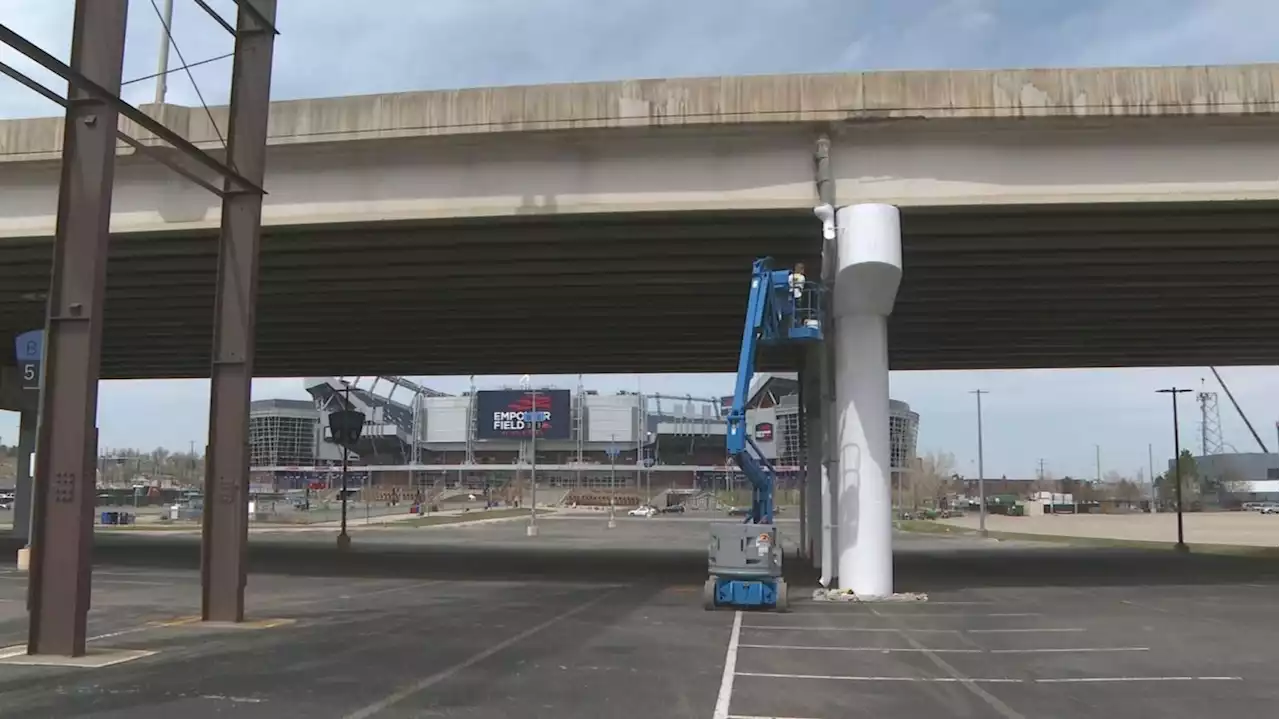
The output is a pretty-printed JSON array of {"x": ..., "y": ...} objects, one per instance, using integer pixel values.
[
  {"x": 844, "y": 678},
  {"x": 890, "y": 650},
  {"x": 730, "y": 670},
  {"x": 1033, "y": 630},
  {"x": 787, "y": 647},
  {"x": 1083, "y": 680},
  {"x": 874, "y": 630},
  {"x": 753, "y": 716},
  {"x": 1068, "y": 651},
  {"x": 894, "y": 630},
  {"x": 931, "y": 615},
  {"x": 964, "y": 680},
  {"x": 979, "y": 680},
  {"x": 440, "y": 676}
]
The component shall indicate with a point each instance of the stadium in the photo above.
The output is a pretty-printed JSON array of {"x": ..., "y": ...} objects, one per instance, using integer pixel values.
[{"x": 418, "y": 441}]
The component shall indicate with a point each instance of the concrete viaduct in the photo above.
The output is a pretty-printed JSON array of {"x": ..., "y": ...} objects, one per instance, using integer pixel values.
[
  {"x": 1055, "y": 218},
  {"x": 1045, "y": 218}
]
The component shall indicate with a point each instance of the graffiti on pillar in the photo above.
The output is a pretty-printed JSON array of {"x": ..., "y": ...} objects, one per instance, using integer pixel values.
[{"x": 226, "y": 490}]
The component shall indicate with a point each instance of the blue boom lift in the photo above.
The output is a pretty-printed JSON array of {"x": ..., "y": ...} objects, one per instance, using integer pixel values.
[{"x": 744, "y": 560}]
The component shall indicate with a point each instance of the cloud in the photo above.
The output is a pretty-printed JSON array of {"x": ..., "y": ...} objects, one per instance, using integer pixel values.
[{"x": 336, "y": 47}]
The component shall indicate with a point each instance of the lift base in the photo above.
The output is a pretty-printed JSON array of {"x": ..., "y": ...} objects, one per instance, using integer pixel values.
[{"x": 737, "y": 593}]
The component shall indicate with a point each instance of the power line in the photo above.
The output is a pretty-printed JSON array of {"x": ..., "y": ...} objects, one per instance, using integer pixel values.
[{"x": 186, "y": 67}]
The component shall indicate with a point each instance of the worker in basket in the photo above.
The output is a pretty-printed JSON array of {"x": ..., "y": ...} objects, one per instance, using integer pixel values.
[{"x": 795, "y": 283}]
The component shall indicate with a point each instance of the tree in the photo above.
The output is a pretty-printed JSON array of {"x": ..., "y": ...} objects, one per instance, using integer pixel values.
[
  {"x": 1186, "y": 468},
  {"x": 929, "y": 481}
]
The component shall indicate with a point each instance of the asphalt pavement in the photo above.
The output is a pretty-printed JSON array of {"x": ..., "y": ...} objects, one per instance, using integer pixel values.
[{"x": 481, "y": 622}]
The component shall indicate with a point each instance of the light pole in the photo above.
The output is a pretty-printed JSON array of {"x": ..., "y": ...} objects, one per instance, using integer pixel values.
[
  {"x": 162, "y": 68},
  {"x": 648, "y": 471},
  {"x": 1173, "y": 393},
  {"x": 613, "y": 482},
  {"x": 982, "y": 476},
  {"x": 1151, "y": 477},
  {"x": 532, "y": 529},
  {"x": 345, "y": 427}
]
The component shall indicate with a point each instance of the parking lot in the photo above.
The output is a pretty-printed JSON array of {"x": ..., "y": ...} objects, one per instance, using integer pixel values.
[
  {"x": 481, "y": 623},
  {"x": 1188, "y": 652}
]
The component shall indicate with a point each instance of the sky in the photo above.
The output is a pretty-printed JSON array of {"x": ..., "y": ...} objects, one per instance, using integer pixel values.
[{"x": 335, "y": 47}]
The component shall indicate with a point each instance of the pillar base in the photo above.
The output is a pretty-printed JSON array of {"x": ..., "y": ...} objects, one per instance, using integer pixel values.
[
  {"x": 24, "y": 559},
  {"x": 531, "y": 530},
  {"x": 344, "y": 542},
  {"x": 612, "y": 524},
  {"x": 848, "y": 596}
]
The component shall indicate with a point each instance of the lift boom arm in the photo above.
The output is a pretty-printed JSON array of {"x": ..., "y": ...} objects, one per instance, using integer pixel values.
[{"x": 778, "y": 311}]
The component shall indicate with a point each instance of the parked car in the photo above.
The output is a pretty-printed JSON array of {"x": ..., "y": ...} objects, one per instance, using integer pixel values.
[
  {"x": 642, "y": 511},
  {"x": 672, "y": 509},
  {"x": 1269, "y": 508}
]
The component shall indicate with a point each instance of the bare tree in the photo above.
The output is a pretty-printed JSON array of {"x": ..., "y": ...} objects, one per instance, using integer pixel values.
[{"x": 928, "y": 484}]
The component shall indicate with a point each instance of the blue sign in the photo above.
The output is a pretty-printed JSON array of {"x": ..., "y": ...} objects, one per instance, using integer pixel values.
[
  {"x": 612, "y": 451},
  {"x": 29, "y": 346}
]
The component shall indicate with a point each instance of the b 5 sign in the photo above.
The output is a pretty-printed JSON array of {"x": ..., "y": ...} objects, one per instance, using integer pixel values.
[{"x": 30, "y": 352}]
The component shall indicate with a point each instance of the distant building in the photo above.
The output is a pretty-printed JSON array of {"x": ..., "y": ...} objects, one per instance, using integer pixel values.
[
  {"x": 283, "y": 432},
  {"x": 1239, "y": 476},
  {"x": 599, "y": 440}
]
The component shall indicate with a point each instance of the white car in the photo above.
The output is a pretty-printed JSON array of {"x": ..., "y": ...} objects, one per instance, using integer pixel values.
[{"x": 642, "y": 512}]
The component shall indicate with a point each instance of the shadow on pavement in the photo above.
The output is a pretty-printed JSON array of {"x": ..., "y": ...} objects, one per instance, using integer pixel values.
[{"x": 940, "y": 566}]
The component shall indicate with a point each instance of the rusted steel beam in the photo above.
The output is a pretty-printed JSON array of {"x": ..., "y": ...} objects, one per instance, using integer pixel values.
[
  {"x": 226, "y": 522},
  {"x": 62, "y": 536}
]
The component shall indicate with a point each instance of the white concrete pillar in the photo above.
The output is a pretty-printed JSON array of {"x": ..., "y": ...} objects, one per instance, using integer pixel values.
[
  {"x": 869, "y": 270},
  {"x": 22, "y": 488}
]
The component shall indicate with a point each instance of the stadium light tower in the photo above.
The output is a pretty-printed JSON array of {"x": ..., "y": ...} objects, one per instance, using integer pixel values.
[{"x": 527, "y": 383}]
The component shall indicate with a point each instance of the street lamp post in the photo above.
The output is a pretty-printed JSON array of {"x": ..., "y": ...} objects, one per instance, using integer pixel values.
[
  {"x": 532, "y": 529},
  {"x": 345, "y": 427},
  {"x": 982, "y": 476},
  {"x": 1173, "y": 393},
  {"x": 613, "y": 480}
]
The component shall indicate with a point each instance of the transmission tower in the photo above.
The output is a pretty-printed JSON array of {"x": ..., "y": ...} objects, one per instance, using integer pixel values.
[{"x": 1210, "y": 423}]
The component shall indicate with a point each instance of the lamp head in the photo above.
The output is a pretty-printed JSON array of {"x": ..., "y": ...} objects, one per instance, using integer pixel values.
[{"x": 827, "y": 215}]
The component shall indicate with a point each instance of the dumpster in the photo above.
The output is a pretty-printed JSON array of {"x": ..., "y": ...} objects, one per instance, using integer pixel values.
[{"x": 110, "y": 518}]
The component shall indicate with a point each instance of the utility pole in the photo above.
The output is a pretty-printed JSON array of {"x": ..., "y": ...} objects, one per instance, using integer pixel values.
[
  {"x": 344, "y": 539},
  {"x": 982, "y": 482},
  {"x": 1173, "y": 393},
  {"x": 1097, "y": 463},
  {"x": 532, "y": 529}
]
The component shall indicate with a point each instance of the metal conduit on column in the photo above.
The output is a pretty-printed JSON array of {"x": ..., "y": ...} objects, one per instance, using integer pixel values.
[
  {"x": 62, "y": 535},
  {"x": 22, "y": 490},
  {"x": 812, "y": 412},
  {"x": 226, "y": 522}
]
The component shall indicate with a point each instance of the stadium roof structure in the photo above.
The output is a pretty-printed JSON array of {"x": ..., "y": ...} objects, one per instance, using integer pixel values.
[{"x": 983, "y": 287}]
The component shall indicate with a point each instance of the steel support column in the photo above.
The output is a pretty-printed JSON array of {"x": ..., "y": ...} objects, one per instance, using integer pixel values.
[
  {"x": 62, "y": 535},
  {"x": 226, "y": 521}
]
